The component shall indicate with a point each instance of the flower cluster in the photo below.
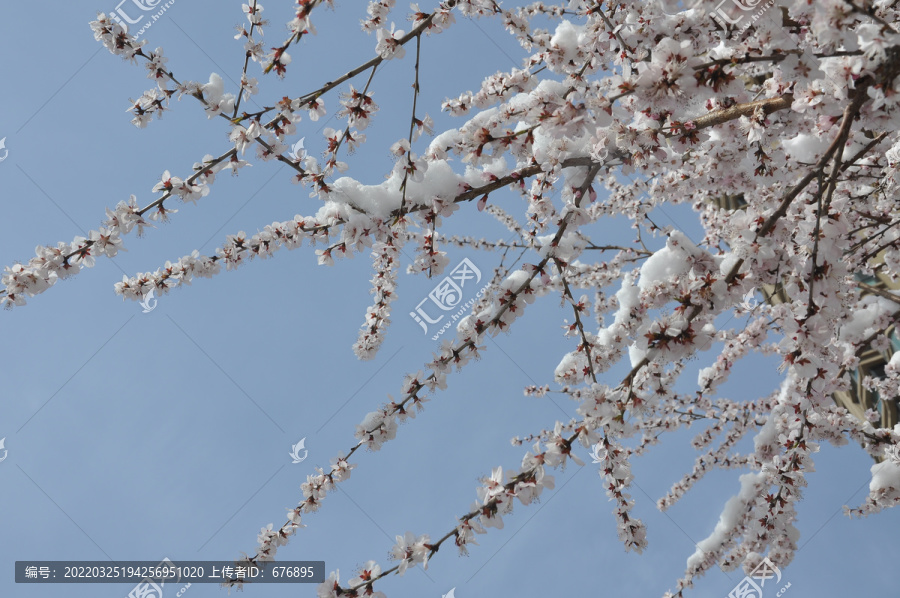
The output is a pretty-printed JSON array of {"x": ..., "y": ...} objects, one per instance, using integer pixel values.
[
  {"x": 384, "y": 284},
  {"x": 357, "y": 107},
  {"x": 377, "y": 12}
]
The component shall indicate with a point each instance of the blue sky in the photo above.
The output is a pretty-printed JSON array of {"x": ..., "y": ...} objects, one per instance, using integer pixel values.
[{"x": 137, "y": 436}]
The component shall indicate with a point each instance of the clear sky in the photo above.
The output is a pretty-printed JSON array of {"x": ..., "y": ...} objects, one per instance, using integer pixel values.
[{"x": 136, "y": 436}]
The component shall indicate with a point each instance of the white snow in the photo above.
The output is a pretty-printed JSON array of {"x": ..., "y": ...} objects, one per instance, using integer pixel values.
[
  {"x": 636, "y": 355},
  {"x": 628, "y": 298},
  {"x": 863, "y": 321},
  {"x": 567, "y": 38},
  {"x": 668, "y": 262},
  {"x": 805, "y": 147},
  {"x": 379, "y": 200},
  {"x": 730, "y": 517},
  {"x": 885, "y": 475}
]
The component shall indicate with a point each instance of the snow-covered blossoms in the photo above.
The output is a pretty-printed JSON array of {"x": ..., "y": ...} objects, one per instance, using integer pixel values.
[{"x": 789, "y": 156}]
